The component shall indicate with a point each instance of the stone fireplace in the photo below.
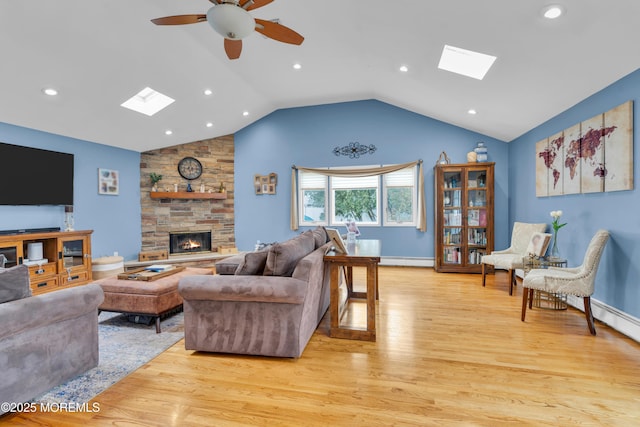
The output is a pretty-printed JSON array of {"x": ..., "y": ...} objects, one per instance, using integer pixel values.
[
  {"x": 189, "y": 242},
  {"x": 164, "y": 217}
]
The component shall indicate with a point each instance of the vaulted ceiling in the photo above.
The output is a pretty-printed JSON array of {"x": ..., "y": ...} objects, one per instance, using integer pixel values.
[{"x": 99, "y": 54}]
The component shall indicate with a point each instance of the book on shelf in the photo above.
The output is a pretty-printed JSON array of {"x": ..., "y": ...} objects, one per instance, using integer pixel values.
[
  {"x": 473, "y": 217},
  {"x": 475, "y": 256},
  {"x": 482, "y": 217}
]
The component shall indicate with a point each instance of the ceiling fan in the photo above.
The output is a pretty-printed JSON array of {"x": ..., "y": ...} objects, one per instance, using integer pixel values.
[{"x": 231, "y": 19}]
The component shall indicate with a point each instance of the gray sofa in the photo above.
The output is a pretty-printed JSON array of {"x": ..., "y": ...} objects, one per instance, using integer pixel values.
[
  {"x": 269, "y": 306},
  {"x": 46, "y": 339}
]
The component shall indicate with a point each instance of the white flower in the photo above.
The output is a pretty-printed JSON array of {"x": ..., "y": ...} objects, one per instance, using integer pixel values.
[{"x": 556, "y": 214}]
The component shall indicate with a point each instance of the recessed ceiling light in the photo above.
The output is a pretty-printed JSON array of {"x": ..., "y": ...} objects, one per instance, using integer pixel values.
[
  {"x": 404, "y": 68},
  {"x": 465, "y": 62},
  {"x": 297, "y": 66},
  {"x": 209, "y": 124},
  {"x": 168, "y": 132},
  {"x": 147, "y": 101},
  {"x": 472, "y": 111},
  {"x": 50, "y": 91},
  {"x": 552, "y": 11},
  {"x": 245, "y": 113},
  {"x": 208, "y": 92}
]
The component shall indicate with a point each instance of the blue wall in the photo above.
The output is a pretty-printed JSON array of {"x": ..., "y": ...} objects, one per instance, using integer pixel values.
[
  {"x": 306, "y": 137},
  {"x": 114, "y": 219},
  {"x": 619, "y": 274}
]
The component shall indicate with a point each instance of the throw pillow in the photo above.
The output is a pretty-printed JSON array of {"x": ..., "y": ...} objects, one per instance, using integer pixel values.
[
  {"x": 283, "y": 257},
  {"x": 14, "y": 283},
  {"x": 320, "y": 236},
  {"x": 253, "y": 263}
]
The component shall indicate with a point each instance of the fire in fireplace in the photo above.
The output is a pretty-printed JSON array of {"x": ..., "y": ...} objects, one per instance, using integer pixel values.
[{"x": 189, "y": 242}]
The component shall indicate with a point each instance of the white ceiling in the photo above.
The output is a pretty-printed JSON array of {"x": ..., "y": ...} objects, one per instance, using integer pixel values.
[{"x": 98, "y": 54}]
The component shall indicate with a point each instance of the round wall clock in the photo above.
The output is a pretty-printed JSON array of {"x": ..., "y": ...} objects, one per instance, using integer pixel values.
[{"x": 190, "y": 168}]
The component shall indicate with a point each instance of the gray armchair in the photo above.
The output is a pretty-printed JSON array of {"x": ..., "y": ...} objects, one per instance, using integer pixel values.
[
  {"x": 47, "y": 339},
  {"x": 578, "y": 281},
  {"x": 511, "y": 258}
]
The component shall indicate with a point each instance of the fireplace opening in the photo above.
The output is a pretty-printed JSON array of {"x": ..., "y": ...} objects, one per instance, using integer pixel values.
[{"x": 189, "y": 242}]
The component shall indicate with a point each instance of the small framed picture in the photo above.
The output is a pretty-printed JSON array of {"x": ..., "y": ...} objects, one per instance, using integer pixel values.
[
  {"x": 265, "y": 184},
  {"x": 108, "y": 182}
]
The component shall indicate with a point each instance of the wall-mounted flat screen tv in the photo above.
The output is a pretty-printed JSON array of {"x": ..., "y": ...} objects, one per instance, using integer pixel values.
[{"x": 31, "y": 176}]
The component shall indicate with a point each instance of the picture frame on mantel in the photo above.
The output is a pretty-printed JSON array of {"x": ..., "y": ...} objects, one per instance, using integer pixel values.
[{"x": 108, "y": 182}]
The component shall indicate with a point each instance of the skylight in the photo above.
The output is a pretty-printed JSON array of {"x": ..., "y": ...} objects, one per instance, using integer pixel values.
[
  {"x": 465, "y": 62},
  {"x": 147, "y": 101}
]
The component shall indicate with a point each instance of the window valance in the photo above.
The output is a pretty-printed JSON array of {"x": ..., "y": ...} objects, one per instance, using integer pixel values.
[{"x": 355, "y": 172}]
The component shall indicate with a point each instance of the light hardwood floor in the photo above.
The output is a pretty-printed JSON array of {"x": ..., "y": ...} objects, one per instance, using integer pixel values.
[{"x": 448, "y": 352}]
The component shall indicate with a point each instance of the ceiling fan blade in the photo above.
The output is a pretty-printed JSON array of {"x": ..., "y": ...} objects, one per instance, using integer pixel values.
[
  {"x": 278, "y": 32},
  {"x": 179, "y": 19},
  {"x": 233, "y": 48},
  {"x": 254, "y": 4}
]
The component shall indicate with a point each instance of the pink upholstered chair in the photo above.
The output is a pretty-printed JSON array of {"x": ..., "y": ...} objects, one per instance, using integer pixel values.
[
  {"x": 578, "y": 281},
  {"x": 512, "y": 258}
]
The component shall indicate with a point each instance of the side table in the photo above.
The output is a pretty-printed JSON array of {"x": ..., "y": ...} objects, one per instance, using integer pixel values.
[
  {"x": 364, "y": 253},
  {"x": 542, "y": 299}
]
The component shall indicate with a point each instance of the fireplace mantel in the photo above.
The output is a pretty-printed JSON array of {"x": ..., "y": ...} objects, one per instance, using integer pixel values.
[{"x": 186, "y": 195}]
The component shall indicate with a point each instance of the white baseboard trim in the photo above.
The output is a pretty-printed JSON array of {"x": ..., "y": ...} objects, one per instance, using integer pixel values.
[
  {"x": 611, "y": 316},
  {"x": 406, "y": 262}
]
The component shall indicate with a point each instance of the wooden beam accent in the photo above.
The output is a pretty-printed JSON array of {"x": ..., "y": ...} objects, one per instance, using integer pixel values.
[{"x": 186, "y": 195}]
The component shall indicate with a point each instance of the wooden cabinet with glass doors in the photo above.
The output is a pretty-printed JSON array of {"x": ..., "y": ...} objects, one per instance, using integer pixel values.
[
  {"x": 65, "y": 258},
  {"x": 463, "y": 216}
]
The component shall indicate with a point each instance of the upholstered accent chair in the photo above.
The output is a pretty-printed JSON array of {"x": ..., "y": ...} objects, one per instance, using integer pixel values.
[
  {"x": 578, "y": 281},
  {"x": 511, "y": 258}
]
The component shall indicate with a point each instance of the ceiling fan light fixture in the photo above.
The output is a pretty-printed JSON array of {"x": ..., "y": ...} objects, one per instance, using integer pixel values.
[
  {"x": 230, "y": 21},
  {"x": 552, "y": 11}
]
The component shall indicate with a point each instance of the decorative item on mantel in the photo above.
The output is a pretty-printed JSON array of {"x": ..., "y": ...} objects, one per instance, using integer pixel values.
[
  {"x": 555, "y": 252},
  {"x": 155, "y": 178},
  {"x": 222, "y": 189},
  {"x": 443, "y": 159},
  {"x": 481, "y": 152}
]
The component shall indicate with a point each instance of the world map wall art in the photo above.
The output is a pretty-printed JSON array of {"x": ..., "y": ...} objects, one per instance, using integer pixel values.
[{"x": 593, "y": 156}]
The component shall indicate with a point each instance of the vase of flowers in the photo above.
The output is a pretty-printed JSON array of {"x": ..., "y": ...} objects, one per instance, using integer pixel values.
[{"x": 555, "y": 252}]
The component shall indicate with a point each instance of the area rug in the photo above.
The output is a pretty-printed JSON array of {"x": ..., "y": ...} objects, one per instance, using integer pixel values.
[{"x": 123, "y": 347}]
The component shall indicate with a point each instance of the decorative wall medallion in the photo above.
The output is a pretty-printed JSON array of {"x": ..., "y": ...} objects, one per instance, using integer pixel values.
[{"x": 354, "y": 150}]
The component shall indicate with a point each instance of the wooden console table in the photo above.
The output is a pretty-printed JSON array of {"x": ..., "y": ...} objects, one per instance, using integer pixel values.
[{"x": 364, "y": 253}]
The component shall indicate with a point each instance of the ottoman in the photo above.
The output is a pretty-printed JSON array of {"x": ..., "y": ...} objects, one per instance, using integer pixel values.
[
  {"x": 157, "y": 298},
  {"x": 106, "y": 266}
]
